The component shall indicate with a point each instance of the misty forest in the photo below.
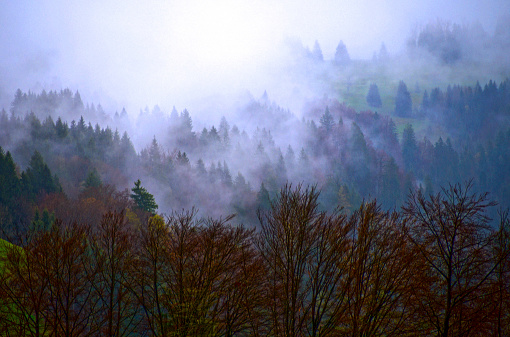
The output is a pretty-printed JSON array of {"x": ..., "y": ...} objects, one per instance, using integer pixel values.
[{"x": 371, "y": 199}]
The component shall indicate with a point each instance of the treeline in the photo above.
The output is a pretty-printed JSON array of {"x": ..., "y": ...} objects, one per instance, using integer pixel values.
[
  {"x": 360, "y": 152},
  {"x": 471, "y": 113},
  {"x": 19, "y": 192},
  {"x": 435, "y": 268},
  {"x": 350, "y": 155}
]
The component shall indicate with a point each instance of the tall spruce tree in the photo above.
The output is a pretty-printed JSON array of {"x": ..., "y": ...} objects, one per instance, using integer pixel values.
[
  {"x": 409, "y": 149},
  {"x": 327, "y": 122},
  {"x": 143, "y": 199},
  {"x": 373, "y": 97},
  {"x": 403, "y": 102}
]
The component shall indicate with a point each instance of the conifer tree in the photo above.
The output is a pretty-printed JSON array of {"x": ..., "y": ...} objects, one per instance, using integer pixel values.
[
  {"x": 317, "y": 52},
  {"x": 143, "y": 199},
  {"x": 409, "y": 148},
  {"x": 327, "y": 122},
  {"x": 403, "y": 102},
  {"x": 93, "y": 179},
  {"x": 373, "y": 97},
  {"x": 341, "y": 55}
]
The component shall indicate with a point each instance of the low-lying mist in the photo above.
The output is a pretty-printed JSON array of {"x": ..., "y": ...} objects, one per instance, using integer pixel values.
[{"x": 217, "y": 107}]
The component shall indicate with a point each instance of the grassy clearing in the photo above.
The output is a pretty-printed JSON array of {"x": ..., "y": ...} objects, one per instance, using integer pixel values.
[{"x": 351, "y": 86}]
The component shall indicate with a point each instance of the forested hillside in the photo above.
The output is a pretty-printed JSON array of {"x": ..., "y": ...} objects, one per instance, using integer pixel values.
[
  {"x": 222, "y": 169},
  {"x": 338, "y": 196}
]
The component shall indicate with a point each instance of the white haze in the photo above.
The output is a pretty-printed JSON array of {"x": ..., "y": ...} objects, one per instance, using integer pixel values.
[{"x": 192, "y": 54}]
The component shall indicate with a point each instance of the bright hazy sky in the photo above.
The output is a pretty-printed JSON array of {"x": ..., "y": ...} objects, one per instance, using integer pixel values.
[{"x": 138, "y": 53}]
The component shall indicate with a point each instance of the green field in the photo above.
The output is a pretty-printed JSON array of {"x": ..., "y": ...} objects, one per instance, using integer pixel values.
[{"x": 350, "y": 85}]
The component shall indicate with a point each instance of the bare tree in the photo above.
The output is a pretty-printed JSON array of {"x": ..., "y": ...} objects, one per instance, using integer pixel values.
[
  {"x": 451, "y": 232},
  {"x": 380, "y": 270},
  {"x": 499, "y": 308},
  {"x": 47, "y": 285},
  {"x": 112, "y": 246},
  {"x": 146, "y": 275},
  {"x": 305, "y": 253}
]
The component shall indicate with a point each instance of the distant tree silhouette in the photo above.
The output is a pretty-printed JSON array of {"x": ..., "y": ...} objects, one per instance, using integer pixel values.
[
  {"x": 373, "y": 97},
  {"x": 403, "y": 102},
  {"x": 341, "y": 54},
  {"x": 317, "y": 52},
  {"x": 327, "y": 122}
]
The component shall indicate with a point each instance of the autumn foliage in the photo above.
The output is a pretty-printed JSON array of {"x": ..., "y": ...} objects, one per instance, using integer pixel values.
[{"x": 437, "y": 268}]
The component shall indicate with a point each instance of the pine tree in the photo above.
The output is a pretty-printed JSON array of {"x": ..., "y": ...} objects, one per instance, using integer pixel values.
[
  {"x": 327, "y": 122},
  {"x": 403, "y": 102},
  {"x": 409, "y": 149},
  {"x": 37, "y": 178},
  {"x": 317, "y": 52},
  {"x": 341, "y": 55},
  {"x": 263, "y": 200},
  {"x": 93, "y": 179},
  {"x": 9, "y": 181},
  {"x": 373, "y": 97},
  {"x": 143, "y": 199},
  {"x": 425, "y": 103}
]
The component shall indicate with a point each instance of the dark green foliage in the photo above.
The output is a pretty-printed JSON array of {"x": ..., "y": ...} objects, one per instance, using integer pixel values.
[
  {"x": 263, "y": 200},
  {"x": 37, "y": 178},
  {"x": 373, "y": 97},
  {"x": 9, "y": 181},
  {"x": 93, "y": 179},
  {"x": 143, "y": 199},
  {"x": 42, "y": 222},
  {"x": 409, "y": 149},
  {"x": 403, "y": 102}
]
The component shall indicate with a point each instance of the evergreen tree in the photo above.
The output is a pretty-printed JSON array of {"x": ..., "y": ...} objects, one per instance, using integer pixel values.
[
  {"x": 317, "y": 52},
  {"x": 226, "y": 177},
  {"x": 263, "y": 200},
  {"x": 290, "y": 157},
  {"x": 373, "y": 97},
  {"x": 9, "y": 181},
  {"x": 390, "y": 185},
  {"x": 341, "y": 55},
  {"x": 409, "y": 149},
  {"x": 200, "y": 167},
  {"x": 61, "y": 128},
  {"x": 93, "y": 179},
  {"x": 224, "y": 128},
  {"x": 37, "y": 178},
  {"x": 143, "y": 199},
  {"x": 186, "y": 122},
  {"x": 383, "y": 53},
  {"x": 425, "y": 103},
  {"x": 403, "y": 102},
  {"x": 327, "y": 122}
]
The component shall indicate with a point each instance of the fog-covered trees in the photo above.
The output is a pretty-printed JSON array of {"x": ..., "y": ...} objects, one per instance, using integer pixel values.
[
  {"x": 373, "y": 96},
  {"x": 403, "y": 102},
  {"x": 409, "y": 149},
  {"x": 341, "y": 55},
  {"x": 317, "y": 52}
]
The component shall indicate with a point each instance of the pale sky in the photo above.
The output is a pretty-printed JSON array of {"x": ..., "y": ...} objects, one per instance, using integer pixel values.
[{"x": 138, "y": 53}]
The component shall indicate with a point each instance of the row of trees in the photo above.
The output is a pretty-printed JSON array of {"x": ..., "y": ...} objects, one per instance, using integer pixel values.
[
  {"x": 403, "y": 102},
  {"x": 436, "y": 268},
  {"x": 351, "y": 155}
]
